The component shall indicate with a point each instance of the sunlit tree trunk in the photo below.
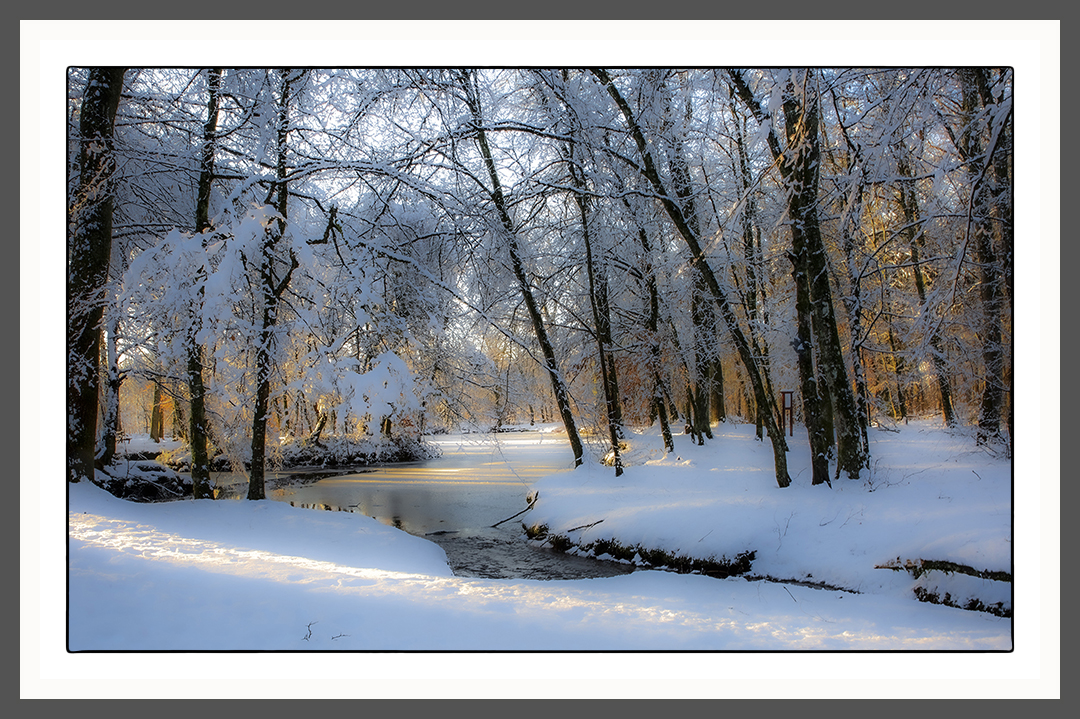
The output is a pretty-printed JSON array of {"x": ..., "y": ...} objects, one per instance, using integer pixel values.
[
  {"x": 913, "y": 233},
  {"x": 89, "y": 248},
  {"x": 157, "y": 416},
  {"x": 659, "y": 401}
]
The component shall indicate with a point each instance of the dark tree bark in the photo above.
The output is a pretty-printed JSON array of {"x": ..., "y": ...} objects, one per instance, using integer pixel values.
[
  {"x": 596, "y": 270},
  {"x": 987, "y": 224},
  {"x": 717, "y": 402},
  {"x": 89, "y": 249},
  {"x": 157, "y": 416},
  {"x": 703, "y": 358},
  {"x": 801, "y": 116},
  {"x": 799, "y": 167},
  {"x": 271, "y": 289},
  {"x": 558, "y": 384},
  {"x": 598, "y": 299},
  {"x": 813, "y": 407},
  {"x": 899, "y": 368},
  {"x": 700, "y": 265},
  {"x": 110, "y": 416},
  {"x": 179, "y": 421},
  {"x": 197, "y": 432}
]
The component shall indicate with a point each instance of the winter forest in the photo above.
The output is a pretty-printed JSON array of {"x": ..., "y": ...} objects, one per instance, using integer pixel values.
[{"x": 278, "y": 264}]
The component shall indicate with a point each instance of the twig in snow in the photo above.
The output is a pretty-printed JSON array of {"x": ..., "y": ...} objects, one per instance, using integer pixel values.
[
  {"x": 791, "y": 595},
  {"x": 309, "y": 630},
  {"x": 783, "y": 533},
  {"x": 585, "y": 526},
  {"x": 531, "y": 503}
]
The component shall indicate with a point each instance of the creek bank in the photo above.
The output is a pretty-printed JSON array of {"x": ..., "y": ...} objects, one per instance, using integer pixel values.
[
  {"x": 338, "y": 452},
  {"x": 140, "y": 480},
  {"x": 957, "y": 585},
  {"x": 638, "y": 555},
  {"x": 163, "y": 476},
  {"x": 935, "y": 582}
]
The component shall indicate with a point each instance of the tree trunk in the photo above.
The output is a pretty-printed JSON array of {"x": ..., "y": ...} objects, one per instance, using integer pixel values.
[
  {"x": 756, "y": 315},
  {"x": 801, "y": 168},
  {"x": 659, "y": 402},
  {"x": 910, "y": 205},
  {"x": 898, "y": 371},
  {"x": 179, "y": 421},
  {"x": 850, "y": 223},
  {"x": 985, "y": 221},
  {"x": 703, "y": 320},
  {"x": 700, "y": 265},
  {"x": 602, "y": 321},
  {"x": 652, "y": 323},
  {"x": 271, "y": 291},
  {"x": 601, "y": 310},
  {"x": 813, "y": 408},
  {"x": 716, "y": 383},
  {"x": 157, "y": 419},
  {"x": 704, "y": 325},
  {"x": 200, "y": 460},
  {"x": 558, "y": 384},
  {"x": 110, "y": 419},
  {"x": 89, "y": 249},
  {"x": 197, "y": 432}
]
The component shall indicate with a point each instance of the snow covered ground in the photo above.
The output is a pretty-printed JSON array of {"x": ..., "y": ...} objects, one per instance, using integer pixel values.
[{"x": 265, "y": 576}]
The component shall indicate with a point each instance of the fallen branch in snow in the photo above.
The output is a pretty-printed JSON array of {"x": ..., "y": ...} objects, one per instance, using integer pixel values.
[
  {"x": 585, "y": 526},
  {"x": 532, "y": 501},
  {"x": 918, "y": 567}
]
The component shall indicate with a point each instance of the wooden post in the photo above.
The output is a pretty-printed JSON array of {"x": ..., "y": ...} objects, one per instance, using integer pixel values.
[{"x": 787, "y": 410}]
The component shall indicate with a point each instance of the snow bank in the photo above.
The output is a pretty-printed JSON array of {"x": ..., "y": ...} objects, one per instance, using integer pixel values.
[{"x": 930, "y": 495}]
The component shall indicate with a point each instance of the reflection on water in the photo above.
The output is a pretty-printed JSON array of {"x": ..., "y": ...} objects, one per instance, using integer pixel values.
[
  {"x": 453, "y": 501},
  {"x": 494, "y": 553}
]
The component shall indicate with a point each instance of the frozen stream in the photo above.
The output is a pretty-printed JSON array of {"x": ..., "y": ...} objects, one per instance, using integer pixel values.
[{"x": 454, "y": 501}]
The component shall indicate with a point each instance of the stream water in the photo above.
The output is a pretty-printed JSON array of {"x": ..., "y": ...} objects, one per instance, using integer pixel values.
[{"x": 453, "y": 500}]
